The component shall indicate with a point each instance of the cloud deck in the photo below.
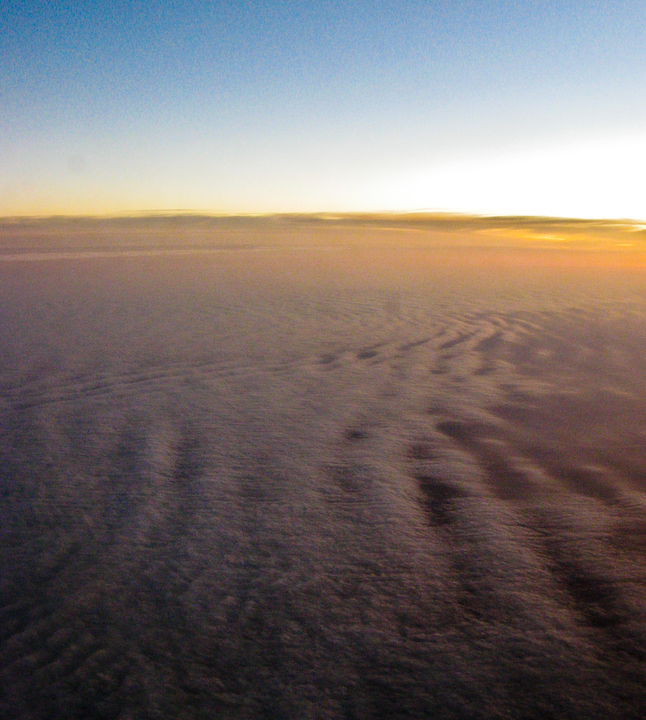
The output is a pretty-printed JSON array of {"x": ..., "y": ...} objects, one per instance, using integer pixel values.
[{"x": 385, "y": 467}]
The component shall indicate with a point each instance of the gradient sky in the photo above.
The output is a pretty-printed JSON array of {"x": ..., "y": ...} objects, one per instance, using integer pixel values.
[{"x": 492, "y": 107}]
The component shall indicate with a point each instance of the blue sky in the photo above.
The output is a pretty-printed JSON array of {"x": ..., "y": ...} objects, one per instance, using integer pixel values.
[{"x": 534, "y": 107}]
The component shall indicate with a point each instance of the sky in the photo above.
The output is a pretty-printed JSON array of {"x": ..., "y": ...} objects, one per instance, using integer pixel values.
[{"x": 492, "y": 107}]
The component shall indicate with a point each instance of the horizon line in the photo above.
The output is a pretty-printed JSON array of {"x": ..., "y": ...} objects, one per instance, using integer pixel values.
[{"x": 322, "y": 215}]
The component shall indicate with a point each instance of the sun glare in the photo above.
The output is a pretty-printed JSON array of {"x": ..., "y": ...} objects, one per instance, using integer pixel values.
[{"x": 598, "y": 178}]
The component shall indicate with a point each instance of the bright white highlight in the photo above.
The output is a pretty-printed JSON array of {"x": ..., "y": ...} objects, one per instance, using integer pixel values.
[{"x": 589, "y": 179}]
